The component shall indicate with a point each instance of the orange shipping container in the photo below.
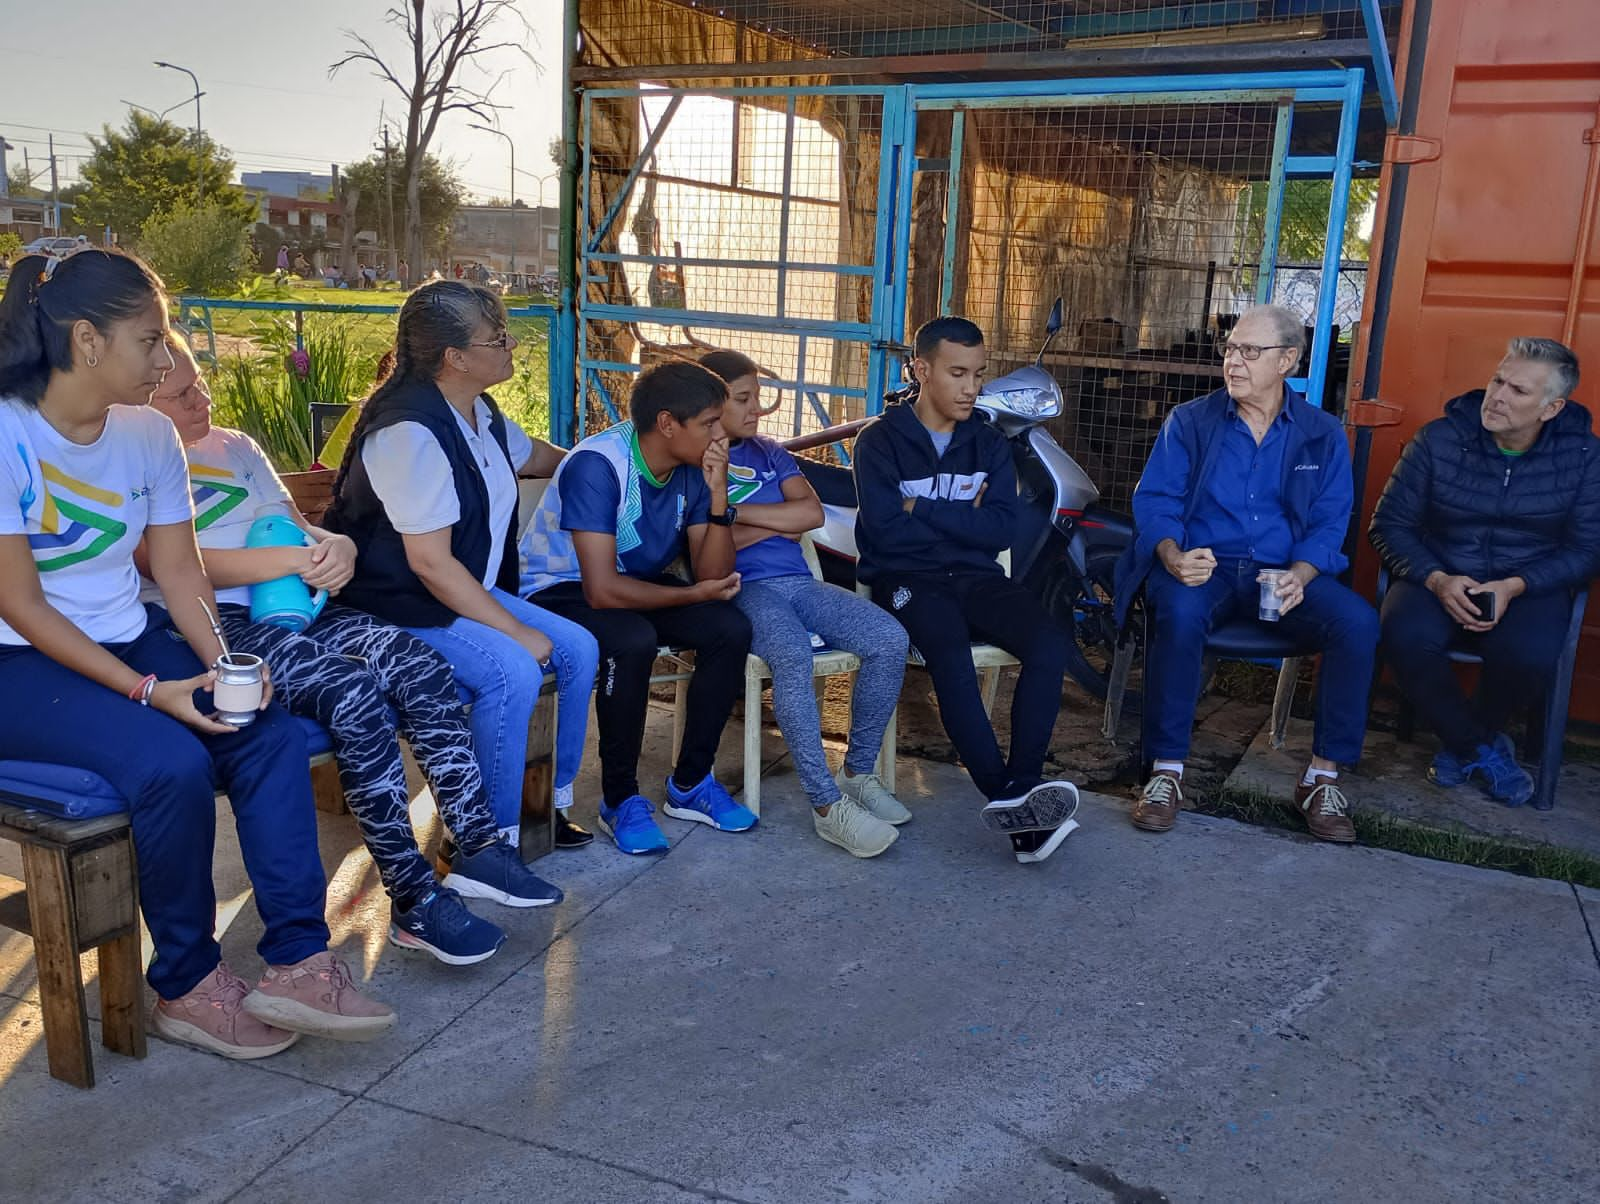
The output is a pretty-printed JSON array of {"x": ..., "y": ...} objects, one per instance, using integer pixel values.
[{"x": 1486, "y": 224}]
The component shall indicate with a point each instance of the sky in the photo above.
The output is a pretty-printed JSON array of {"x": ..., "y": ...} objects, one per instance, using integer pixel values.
[{"x": 268, "y": 98}]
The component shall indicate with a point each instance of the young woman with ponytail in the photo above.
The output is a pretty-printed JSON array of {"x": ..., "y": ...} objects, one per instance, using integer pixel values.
[
  {"x": 428, "y": 492},
  {"x": 92, "y": 678}
]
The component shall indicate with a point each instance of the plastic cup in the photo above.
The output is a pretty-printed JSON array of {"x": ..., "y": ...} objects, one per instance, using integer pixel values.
[{"x": 1271, "y": 609}]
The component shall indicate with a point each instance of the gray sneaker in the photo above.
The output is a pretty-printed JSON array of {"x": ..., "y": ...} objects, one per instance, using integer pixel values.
[
  {"x": 854, "y": 829},
  {"x": 869, "y": 791}
]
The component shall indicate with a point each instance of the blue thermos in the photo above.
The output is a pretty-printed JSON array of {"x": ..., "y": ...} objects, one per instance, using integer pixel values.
[{"x": 286, "y": 601}]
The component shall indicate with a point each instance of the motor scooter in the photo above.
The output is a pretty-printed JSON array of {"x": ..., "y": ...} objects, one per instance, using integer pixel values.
[{"x": 1066, "y": 544}]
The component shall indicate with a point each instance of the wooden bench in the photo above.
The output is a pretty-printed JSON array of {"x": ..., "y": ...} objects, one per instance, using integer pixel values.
[
  {"x": 81, "y": 893},
  {"x": 80, "y": 888}
]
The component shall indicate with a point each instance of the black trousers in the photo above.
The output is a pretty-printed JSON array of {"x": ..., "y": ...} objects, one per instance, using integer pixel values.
[
  {"x": 943, "y": 613},
  {"x": 720, "y": 636},
  {"x": 1519, "y": 658}
]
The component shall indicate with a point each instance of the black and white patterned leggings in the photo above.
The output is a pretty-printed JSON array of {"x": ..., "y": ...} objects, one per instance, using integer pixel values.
[{"x": 367, "y": 683}]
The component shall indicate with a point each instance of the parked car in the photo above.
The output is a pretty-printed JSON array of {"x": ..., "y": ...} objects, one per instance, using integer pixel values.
[{"x": 60, "y": 247}]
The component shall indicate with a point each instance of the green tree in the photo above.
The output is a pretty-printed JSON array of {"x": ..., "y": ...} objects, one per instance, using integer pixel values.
[
  {"x": 439, "y": 188},
  {"x": 10, "y": 244},
  {"x": 198, "y": 248},
  {"x": 19, "y": 183},
  {"x": 1303, "y": 231},
  {"x": 151, "y": 167}
]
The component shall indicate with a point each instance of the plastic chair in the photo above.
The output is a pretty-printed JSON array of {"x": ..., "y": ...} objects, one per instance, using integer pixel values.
[
  {"x": 1238, "y": 639},
  {"x": 1548, "y": 728},
  {"x": 826, "y": 663}
]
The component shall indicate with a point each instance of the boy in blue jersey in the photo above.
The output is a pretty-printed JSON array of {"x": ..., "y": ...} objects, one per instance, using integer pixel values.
[{"x": 622, "y": 508}]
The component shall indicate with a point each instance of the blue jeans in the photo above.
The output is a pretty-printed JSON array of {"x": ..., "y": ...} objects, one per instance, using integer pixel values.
[
  {"x": 504, "y": 682},
  {"x": 1331, "y": 617},
  {"x": 783, "y": 611},
  {"x": 165, "y": 770}
]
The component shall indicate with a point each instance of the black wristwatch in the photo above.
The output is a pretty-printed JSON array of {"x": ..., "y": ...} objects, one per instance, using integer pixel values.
[{"x": 726, "y": 518}]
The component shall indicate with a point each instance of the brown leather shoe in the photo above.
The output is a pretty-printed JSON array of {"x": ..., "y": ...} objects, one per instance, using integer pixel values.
[
  {"x": 1326, "y": 811},
  {"x": 1159, "y": 802}
]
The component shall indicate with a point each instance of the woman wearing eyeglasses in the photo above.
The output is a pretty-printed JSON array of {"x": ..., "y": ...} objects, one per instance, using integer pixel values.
[
  {"x": 362, "y": 679},
  {"x": 428, "y": 493}
]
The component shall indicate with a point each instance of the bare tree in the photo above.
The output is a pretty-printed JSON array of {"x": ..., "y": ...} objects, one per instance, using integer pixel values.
[{"x": 442, "y": 44}]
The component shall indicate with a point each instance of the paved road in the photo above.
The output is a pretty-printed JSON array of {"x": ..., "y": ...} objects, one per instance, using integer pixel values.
[{"x": 1218, "y": 1014}]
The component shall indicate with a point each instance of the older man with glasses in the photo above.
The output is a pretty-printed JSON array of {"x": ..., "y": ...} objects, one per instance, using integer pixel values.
[{"x": 1246, "y": 479}]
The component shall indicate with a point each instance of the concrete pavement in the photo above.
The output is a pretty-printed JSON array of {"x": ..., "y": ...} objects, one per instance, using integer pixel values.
[{"x": 1223, "y": 1013}]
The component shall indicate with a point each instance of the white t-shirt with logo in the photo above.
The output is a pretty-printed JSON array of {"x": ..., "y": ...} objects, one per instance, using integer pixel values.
[
  {"x": 232, "y": 484},
  {"x": 84, "y": 508},
  {"x": 411, "y": 475}
]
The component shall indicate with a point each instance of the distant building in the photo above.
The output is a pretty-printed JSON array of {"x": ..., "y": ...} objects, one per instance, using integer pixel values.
[
  {"x": 488, "y": 234},
  {"x": 303, "y": 184}
]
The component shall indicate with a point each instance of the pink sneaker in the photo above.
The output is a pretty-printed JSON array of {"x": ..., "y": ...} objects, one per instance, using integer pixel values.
[
  {"x": 210, "y": 1017},
  {"x": 318, "y": 997}
]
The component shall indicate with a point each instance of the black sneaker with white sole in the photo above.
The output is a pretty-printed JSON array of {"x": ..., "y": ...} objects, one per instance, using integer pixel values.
[
  {"x": 1030, "y": 847},
  {"x": 1043, "y": 809}
]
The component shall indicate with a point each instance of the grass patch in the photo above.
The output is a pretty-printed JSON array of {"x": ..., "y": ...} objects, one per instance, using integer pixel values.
[{"x": 1378, "y": 830}]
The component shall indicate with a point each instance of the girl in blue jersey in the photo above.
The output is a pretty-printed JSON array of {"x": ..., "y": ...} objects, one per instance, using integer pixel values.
[{"x": 774, "y": 506}]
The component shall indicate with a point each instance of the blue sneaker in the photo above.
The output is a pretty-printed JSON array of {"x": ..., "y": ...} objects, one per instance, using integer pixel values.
[
  {"x": 708, "y": 803},
  {"x": 630, "y": 825},
  {"x": 497, "y": 872},
  {"x": 1498, "y": 772},
  {"x": 1447, "y": 770},
  {"x": 442, "y": 925}
]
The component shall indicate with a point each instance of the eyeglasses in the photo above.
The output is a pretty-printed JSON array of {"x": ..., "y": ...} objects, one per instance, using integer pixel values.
[
  {"x": 503, "y": 342},
  {"x": 1248, "y": 351}
]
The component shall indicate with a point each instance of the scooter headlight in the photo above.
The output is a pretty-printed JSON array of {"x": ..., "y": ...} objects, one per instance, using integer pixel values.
[{"x": 1029, "y": 403}]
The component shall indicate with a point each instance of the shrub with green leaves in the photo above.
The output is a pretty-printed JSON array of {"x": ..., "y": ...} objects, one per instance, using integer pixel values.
[
  {"x": 251, "y": 394},
  {"x": 197, "y": 249}
]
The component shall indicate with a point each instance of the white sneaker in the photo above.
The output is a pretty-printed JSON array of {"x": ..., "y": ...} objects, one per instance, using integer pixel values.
[
  {"x": 869, "y": 791},
  {"x": 855, "y": 830}
]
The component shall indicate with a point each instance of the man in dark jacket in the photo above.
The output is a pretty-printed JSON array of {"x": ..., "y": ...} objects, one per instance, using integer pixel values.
[
  {"x": 1488, "y": 525},
  {"x": 1245, "y": 479},
  {"x": 938, "y": 501}
]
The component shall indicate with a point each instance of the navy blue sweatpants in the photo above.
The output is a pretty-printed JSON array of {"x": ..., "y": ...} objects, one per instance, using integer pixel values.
[{"x": 165, "y": 771}]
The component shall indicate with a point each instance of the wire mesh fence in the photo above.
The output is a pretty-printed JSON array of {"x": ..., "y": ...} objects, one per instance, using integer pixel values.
[
  {"x": 1151, "y": 222},
  {"x": 705, "y": 211},
  {"x": 280, "y": 370}
]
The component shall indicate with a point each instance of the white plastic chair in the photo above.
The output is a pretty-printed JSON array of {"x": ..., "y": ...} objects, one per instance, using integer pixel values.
[{"x": 825, "y": 664}]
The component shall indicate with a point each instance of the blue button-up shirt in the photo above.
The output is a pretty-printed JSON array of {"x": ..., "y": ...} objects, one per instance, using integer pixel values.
[{"x": 1241, "y": 515}]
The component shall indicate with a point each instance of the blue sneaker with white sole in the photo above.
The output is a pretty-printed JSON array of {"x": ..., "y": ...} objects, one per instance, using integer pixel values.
[
  {"x": 1498, "y": 773},
  {"x": 1447, "y": 770},
  {"x": 497, "y": 872},
  {"x": 629, "y": 823},
  {"x": 708, "y": 803},
  {"x": 441, "y": 925}
]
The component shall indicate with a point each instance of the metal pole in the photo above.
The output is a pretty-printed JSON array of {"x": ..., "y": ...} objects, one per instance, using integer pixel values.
[
  {"x": 55, "y": 194},
  {"x": 199, "y": 136},
  {"x": 489, "y": 129}
]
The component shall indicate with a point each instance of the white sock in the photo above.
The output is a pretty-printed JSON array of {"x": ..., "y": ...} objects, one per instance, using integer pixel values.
[
  {"x": 1174, "y": 767},
  {"x": 1313, "y": 773}
]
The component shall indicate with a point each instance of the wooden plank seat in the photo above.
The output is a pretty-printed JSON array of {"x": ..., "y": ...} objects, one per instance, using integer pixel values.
[{"x": 80, "y": 888}]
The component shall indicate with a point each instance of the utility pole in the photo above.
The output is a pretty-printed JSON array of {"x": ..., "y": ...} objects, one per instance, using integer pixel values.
[
  {"x": 489, "y": 129},
  {"x": 388, "y": 190},
  {"x": 55, "y": 194}
]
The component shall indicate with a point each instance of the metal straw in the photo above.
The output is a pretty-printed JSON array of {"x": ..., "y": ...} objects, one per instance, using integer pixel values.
[{"x": 216, "y": 627}]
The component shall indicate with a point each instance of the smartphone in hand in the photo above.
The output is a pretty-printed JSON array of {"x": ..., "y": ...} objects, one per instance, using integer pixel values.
[{"x": 1484, "y": 603}]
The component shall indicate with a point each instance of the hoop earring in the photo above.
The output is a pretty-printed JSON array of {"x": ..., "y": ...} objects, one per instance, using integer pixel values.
[{"x": 92, "y": 360}]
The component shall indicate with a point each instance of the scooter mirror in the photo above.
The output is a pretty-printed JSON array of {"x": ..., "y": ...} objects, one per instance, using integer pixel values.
[{"x": 1053, "y": 322}]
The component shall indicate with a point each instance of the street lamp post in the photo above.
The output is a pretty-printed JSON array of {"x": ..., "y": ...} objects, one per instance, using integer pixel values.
[
  {"x": 199, "y": 142},
  {"x": 489, "y": 129}
]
